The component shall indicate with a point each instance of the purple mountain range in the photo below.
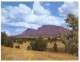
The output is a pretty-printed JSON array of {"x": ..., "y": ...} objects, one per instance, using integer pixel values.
[{"x": 45, "y": 30}]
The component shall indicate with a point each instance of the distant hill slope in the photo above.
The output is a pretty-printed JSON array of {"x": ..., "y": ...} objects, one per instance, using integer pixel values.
[{"x": 45, "y": 30}]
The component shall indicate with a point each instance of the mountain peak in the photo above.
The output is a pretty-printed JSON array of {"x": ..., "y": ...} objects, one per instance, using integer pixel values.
[{"x": 46, "y": 30}]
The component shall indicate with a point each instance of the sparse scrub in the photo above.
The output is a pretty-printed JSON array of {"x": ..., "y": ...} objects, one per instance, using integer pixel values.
[
  {"x": 20, "y": 42},
  {"x": 55, "y": 47},
  {"x": 17, "y": 46},
  {"x": 55, "y": 38},
  {"x": 50, "y": 39},
  {"x": 70, "y": 45},
  {"x": 8, "y": 43},
  {"x": 24, "y": 41},
  {"x": 29, "y": 48}
]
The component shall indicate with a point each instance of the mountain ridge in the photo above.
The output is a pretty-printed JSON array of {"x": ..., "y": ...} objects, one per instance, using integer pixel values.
[{"x": 45, "y": 30}]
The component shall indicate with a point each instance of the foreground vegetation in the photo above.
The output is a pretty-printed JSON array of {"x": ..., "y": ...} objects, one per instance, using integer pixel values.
[
  {"x": 8, "y": 53},
  {"x": 71, "y": 40}
]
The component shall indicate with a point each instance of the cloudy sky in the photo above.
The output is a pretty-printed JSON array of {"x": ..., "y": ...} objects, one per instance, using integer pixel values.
[{"x": 16, "y": 17}]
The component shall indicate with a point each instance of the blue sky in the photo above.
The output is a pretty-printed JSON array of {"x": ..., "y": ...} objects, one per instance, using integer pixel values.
[
  {"x": 53, "y": 7},
  {"x": 16, "y": 17}
]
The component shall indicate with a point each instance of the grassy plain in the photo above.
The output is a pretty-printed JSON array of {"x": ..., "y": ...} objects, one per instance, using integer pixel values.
[{"x": 8, "y": 53}]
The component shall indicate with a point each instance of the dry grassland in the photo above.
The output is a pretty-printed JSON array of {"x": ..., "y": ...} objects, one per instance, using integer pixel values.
[{"x": 8, "y": 53}]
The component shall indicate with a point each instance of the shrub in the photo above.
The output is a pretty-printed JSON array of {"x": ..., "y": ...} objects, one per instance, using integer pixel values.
[
  {"x": 29, "y": 48},
  {"x": 50, "y": 39},
  {"x": 55, "y": 38},
  {"x": 24, "y": 41},
  {"x": 55, "y": 47},
  {"x": 8, "y": 43},
  {"x": 20, "y": 42},
  {"x": 17, "y": 46},
  {"x": 70, "y": 44},
  {"x": 71, "y": 40},
  {"x": 39, "y": 44},
  {"x": 13, "y": 39}
]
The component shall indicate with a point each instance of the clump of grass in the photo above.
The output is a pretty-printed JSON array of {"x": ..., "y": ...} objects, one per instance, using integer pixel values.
[
  {"x": 29, "y": 48},
  {"x": 17, "y": 46}
]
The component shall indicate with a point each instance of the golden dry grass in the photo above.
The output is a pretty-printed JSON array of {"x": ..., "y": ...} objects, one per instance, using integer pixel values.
[
  {"x": 8, "y": 53},
  {"x": 61, "y": 47}
]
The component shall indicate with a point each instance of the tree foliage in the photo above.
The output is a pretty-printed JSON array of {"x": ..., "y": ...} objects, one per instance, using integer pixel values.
[
  {"x": 39, "y": 44},
  {"x": 3, "y": 37},
  {"x": 52, "y": 39},
  {"x": 17, "y": 46},
  {"x": 5, "y": 40},
  {"x": 29, "y": 48},
  {"x": 71, "y": 40},
  {"x": 55, "y": 47},
  {"x": 8, "y": 43}
]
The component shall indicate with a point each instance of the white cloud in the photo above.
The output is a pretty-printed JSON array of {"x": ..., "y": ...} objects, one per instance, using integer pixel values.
[
  {"x": 22, "y": 17},
  {"x": 40, "y": 10},
  {"x": 68, "y": 7},
  {"x": 19, "y": 30},
  {"x": 46, "y": 4}
]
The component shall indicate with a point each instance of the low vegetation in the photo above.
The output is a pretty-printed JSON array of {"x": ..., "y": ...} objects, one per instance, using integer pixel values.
[
  {"x": 3, "y": 37},
  {"x": 71, "y": 40},
  {"x": 17, "y": 46},
  {"x": 55, "y": 47},
  {"x": 52, "y": 39},
  {"x": 24, "y": 54},
  {"x": 8, "y": 44},
  {"x": 5, "y": 40},
  {"x": 39, "y": 44},
  {"x": 29, "y": 48}
]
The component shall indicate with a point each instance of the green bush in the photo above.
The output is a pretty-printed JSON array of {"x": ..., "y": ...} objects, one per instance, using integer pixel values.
[
  {"x": 29, "y": 48},
  {"x": 71, "y": 40},
  {"x": 70, "y": 44},
  {"x": 55, "y": 38},
  {"x": 39, "y": 44},
  {"x": 17, "y": 46},
  {"x": 50, "y": 39},
  {"x": 20, "y": 42},
  {"x": 24, "y": 41},
  {"x": 5, "y": 40},
  {"x": 55, "y": 47},
  {"x": 8, "y": 43}
]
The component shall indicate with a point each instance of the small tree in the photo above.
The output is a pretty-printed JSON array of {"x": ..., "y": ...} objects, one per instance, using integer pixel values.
[
  {"x": 39, "y": 44},
  {"x": 8, "y": 43},
  {"x": 71, "y": 40},
  {"x": 29, "y": 48},
  {"x": 55, "y": 38},
  {"x": 20, "y": 41},
  {"x": 17, "y": 46},
  {"x": 3, "y": 37},
  {"x": 55, "y": 47},
  {"x": 49, "y": 38}
]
